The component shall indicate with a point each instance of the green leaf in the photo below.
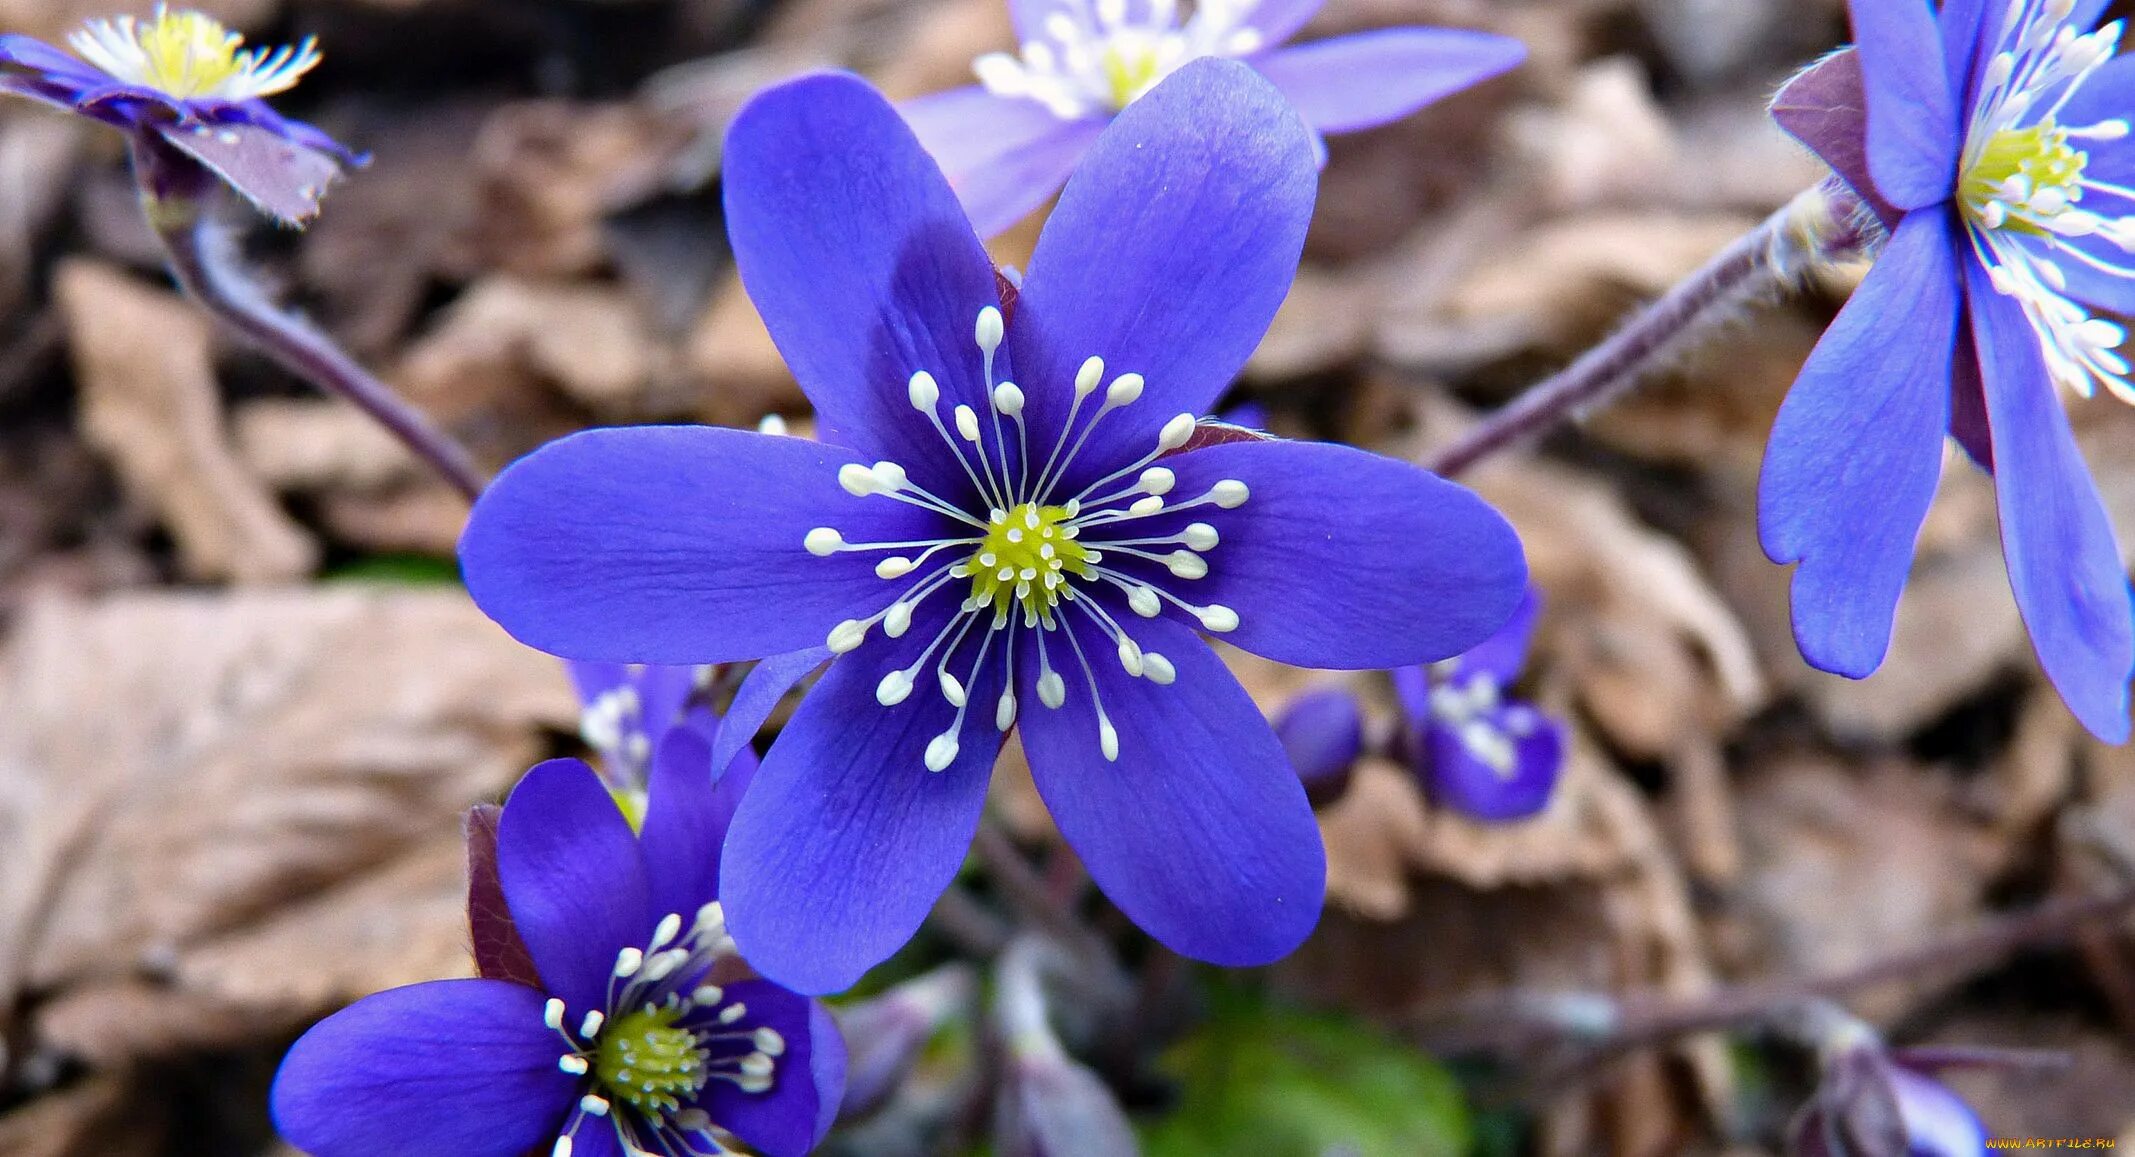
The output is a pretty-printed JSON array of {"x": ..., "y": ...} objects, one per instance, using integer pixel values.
[
  {"x": 397, "y": 569},
  {"x": 1276, "y": 1081}
]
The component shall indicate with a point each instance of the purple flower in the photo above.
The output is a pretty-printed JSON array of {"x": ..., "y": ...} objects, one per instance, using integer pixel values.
[
  {"x": 640, "y": 1034},
  {"x": 1476, "y": 749},
  {"x": 627, "y": 710},
  {"x": 994, "y": 531},
  {"x": 1871, "y": 1103},
  {"x": 183, "y": 86},
  {"x": 1008, "y": 142},
  {"x": 1322, "y": 733},
  {"x": 1993, "y": 149}
]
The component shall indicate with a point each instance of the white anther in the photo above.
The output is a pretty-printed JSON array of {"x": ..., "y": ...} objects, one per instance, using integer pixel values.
[
  {"x": 1130, "y": 657},
  {"x": 769, "y": 1042},
  {"x": 756, "y": 1065},
  {"x": 823, "y": 542},
  {"x": 1086, "y": 378},
  {"x": 1107, "y": 738},
  {"x": 1230, "y": 494},
  {"x": 846, "y": 636},
  {"x": 1176, "y": 432},
  {"x": 898, "y": 620},
  {"x": 952, "y": 690},
  {"x": 893, "y": 689},
  {"x": 1004, "y": 711},
  {"x": 772, "y": 424},
  {"x": 1159, "y": 669},
  {"x": 552, "y": 1013},
  {"x": 563, "y": 1147},
  {"x": 574, "y": 1065},
  {"x": 591, "y": 1026},
  {"x": 923, "y": 391},
  {"x": 1200, "y": 536},
  {"x": 857, "y": 480},
  {"x": 593, "y": 1106},
  {"x": 941, "y": 751},
  {"x": 889, "y": 476},
  {"x": 1218, "y": 618},
  {"x": 1124, "y": 390},
  {"x": 1157, "y": 480},
  {"x": 1008, "y": 398},
  {"x": 1186, "y": 564},
  {"x": 2100, "y": 334},
  {"x": 1145, "y": 602},
  {"x": 989, "y": 328},
  {"x": 669, "y": 927},
  {"x": 896, "y": 566},
  {"x": 1052, "y": 689},
  {"x": 707, "y": 995},
  {"x": 693, "y": 1120},
  {"x": 967, "y": 423},
  {"x": 732, "y": 1013}
]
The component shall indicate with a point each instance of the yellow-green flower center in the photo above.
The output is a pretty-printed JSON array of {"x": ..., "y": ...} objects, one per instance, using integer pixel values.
[
  {"x": 1024, "y": 557},
  {"x": 648, "y": 1063},
  {"x": 190, "y": 56},
  {"x": 1130, "y": 67},
  {"x": 2017, "y": 166}
]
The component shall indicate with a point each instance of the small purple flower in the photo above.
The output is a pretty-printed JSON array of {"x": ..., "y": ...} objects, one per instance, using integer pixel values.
[
  {"x": 181, "y": 81},
  {"x": 1872, "y": 1103},
  {"x": 997, "y": 529},
  {"x": 1993, "y": 148},
  {"x": 1008, "y": 142},
  {"x": 627, "y": 710},
  {"x": 640, "y": 1034},
  {"x": 1474, "y": 747}
]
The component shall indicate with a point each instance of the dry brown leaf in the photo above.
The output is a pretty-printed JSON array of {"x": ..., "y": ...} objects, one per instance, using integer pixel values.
[
  {"x": 296, "y": 445},
  {"x": 104, "y": 1115},
  {"x": 731, "y": 353},
  {"x": 185, "y": 777},
  {"x": 550, "y": 172},
  {"x": 149, "y": 402},
  {"x": 590, "y": 341}
]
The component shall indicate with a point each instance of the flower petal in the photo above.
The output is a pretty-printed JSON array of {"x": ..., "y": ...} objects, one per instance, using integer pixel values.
[
  {"x": 2064, "y": 563},
  {"x": 857, "y": 254},
  {"x": 1856, "y": 451},
  {"x": 1167, "y": 256},
  {"x": 1825, "y": 108},
  {"x": 1968, "y": 400},
  {"x": 1356, "y": 82},
  {"x": 1913, "y": 129},
  {"x": 1004, "y": 156},
  {"x": 1503, "y": 655},
  {"x": 845, "y": 839},
  {"x": 1200, "y": 830},
  {"x": 460, "y": 1067},
  {"x": 687, "y": 811},
  {"x": 1344, "y": 559},
  {"x": 1455, "y": 776},
  {"x": 1937, "y": 1122},
  {"x": 787, "y": 1119},
  {"x": 1963, "y": 23},
  {"x": 675, "y": 544},
  {"x": 573, "y": 878},
  {"x": 758, "y": 696},
  {"x": 1279, "y": 20}
]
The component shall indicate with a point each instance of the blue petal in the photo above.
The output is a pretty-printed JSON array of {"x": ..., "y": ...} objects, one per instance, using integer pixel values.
[
  {"x": 858, "y": 256},
  {"x": 573, "y": 879},
  {"x": 1356, "y": 82},
  {"x": 1344, "y": 559},
  {"x": 686, "y": 818},
  {"x": 453, "y": 1068},
  {"x": 1937, "y": 1122},
  {"x": 1279, "y": 20},
  {"x": 1455, "y": 777},
  {"x": 1200, "y": 830},
  {"x": 1968, "y": 400},
  {"x": 787, "y": 1119},
  {"x": 2108, "y": 94},
  {"x": 1502, "y": 656},
  {"x": 845, "y": 839},
  {"x": 2101, "y": 289},
  {"x": 675, "y": 544},
  {"x": 1964, "y": 24},
  {"x": 1322, "y": 733},
  {"x": 1913, "y": 128},
  {"x": 1004, "y": 156},
  {"x": 1857, "y": 449},
  {"x": 2063, "y": 561},
  {"x": 1167, "y": 256},
  {"x": 758, "y": 696}
]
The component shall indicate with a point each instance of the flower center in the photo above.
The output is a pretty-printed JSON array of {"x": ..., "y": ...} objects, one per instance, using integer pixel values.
[
  {"x": 2033, "y": 210},
  {"x": 1025, "y": 556},
  {"x": 190, "y": 56},
  {"x": 649, "y": 1064},
  {"x": 1095, "y": 59},
  {"x": 1472, "y": 712},
  {"x": 1049, "y": 561}
]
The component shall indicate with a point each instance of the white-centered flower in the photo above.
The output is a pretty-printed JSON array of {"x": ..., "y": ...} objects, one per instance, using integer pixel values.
[
  {"x": 1094, "y": 57},
  {"x": 190, "y": 56}
]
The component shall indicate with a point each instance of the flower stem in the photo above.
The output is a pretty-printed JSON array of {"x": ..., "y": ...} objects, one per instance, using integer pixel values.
[
  {"x": 1817, "y": 225},
  {"x": 205, "y": 269}
]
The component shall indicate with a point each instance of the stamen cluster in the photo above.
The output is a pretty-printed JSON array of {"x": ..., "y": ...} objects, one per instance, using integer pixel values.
[
  {"x": 190, "y": 56},
  {"x": 1097, "y": 59}
]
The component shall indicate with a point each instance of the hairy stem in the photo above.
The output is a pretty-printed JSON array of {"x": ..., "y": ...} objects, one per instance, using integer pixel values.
[
  {"x": 1818, "y": 224},
  {"x": 209, "y": 274}
]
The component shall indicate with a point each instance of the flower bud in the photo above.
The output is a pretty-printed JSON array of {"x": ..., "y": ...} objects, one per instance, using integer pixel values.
[
  {"x": 1322, "y": 731},
  {"x": 885, "y": 1036},
  {"x": 1050, "y": 1106},
  {"x": 1873, "y": 1104}
]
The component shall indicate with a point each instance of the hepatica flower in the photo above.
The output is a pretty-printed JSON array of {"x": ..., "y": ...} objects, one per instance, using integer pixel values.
[
  {"x": 1996, "y": 153},
  {"x": 1008, "y": 142},
  {"x": 628, "y": 709},
  {"x": 1000, "y": 530},
  {"x": 1477, "y": 749},
  {"x": 180, "y": 81},
  {"x": 637, "y": 1031}
]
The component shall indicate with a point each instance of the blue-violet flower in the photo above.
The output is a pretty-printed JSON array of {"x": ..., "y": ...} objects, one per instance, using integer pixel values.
[
  {"x": 994, "y": 531},
  {"x": 1474, "y": 747},
  {"x": 643, "y": 1035},
  {"x": 1008, "y": 142},
  {"x": 181, "y": 81},
  {"x": 1994, "y": 149}
]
